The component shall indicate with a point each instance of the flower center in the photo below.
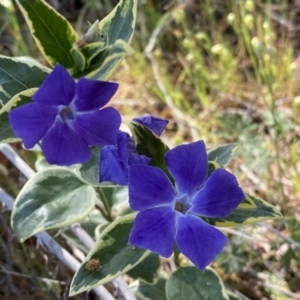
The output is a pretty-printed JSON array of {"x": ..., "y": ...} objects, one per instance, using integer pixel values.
[
  {"x": 67, "y": 114},
  {"x": 182, "y": 205}
]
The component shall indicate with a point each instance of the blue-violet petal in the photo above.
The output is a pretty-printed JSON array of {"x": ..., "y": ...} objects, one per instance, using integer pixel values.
[
  {"x": 188, "y": 165},
  {"x": 99, "y": 127},
  {"x": 63, "y": 146},
  {"x": 57, "y": 89},
  {"x": 93, "y": 94},
  {"x": 199, "y": 241},
  {"x": 219, "y": 196},
  {"x": 149, "y": 187},
  {"x": 31, "y": 122},
  {"x": 155, "y": 124},
  {"x": 153, "y": 229}
]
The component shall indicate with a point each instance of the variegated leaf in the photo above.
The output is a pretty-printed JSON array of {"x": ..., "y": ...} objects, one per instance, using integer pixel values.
[
  {"x": 193, "y": 284},
  {"x": 52, "y": 33},
  {"x": 222, "y": 154},
  {"x": 119, "y": 24},
  {"x": 251, "y": 210},
  {"x": 110, "y": 257},
  {"x": 19, "y": 74},
  {"x": 52, "y": 198}
]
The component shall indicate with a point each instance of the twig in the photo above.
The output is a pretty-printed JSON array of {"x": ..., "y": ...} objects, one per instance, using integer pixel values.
[
  {"x": 47, "y": 280},
  {"x": 45, "y": 240},
  {"x": 279, "y": 234}
]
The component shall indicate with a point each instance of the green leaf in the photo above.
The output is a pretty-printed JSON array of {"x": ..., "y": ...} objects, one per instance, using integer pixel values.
[
  {"x": 120, "y": 23},
  {"x": 251, "y": 210},
  {"x": 146, "y": 291},
  {"x": 78, "y": 58},
  {"x": 52, "y": 33},
  {"x": 19, "y": 99},
  {"x": 147, "y": 269},
  {"x": 6, "y": 133},
  {"x": 89, "y": 171},
  {"x": 103, "y": 65},
  {"x": 149, "y": 144},
  {"x": 19, "y": 74},
  {"x": 222, "y": 154},
  {"x": 190, "y": 283},
  {"x": 113, "y": 254},
  {"x": 53, "y": 198},
  {"x": 114, "y": 195}
]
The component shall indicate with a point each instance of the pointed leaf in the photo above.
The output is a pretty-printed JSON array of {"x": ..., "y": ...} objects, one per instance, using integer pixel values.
[
  {"x": 53, "y": 198},
  {"x": 19, "y": 74},
  {"x": 222, "y": 154},
  {"x": 6, "y": 133},
  {"x": 149, "y": 144},
  {"x": 251, "y": 210},
  {"x": 52, "y": 33},
  {"x": 190, "y": 283},
  {"x": 113, "y": 254},
  {"x": 120, "y": 23}
]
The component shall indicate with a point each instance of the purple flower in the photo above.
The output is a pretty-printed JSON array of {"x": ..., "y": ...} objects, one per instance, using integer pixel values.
[
  {"x": 115, "y": 160},
  {"x": 168, "y": 215},
  {"x": 65, "y": 116}
]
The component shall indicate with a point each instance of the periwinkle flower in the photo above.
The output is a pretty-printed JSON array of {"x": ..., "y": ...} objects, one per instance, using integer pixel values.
[
  {"x": 170, "y": 214},
  {"x": 65, "y": 116},
  {"x": 115, "y": 159}
]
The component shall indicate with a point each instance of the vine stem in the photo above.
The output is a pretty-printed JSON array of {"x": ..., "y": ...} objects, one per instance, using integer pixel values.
[{"x": 105, "y": 203}]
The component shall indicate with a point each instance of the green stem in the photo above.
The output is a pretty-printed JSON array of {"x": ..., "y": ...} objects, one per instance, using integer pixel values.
[
  {"x": 106, "y": 204},
  {"x": 176, "y": 257}
]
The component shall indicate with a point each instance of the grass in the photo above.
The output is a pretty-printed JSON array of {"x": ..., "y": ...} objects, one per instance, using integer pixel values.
[{"x": 225, "y": 72}]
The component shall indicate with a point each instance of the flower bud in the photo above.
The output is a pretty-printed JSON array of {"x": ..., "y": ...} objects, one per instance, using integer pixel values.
[
  {"x": 249, "y": 21},
  {"x": 230, "y": 18},
  {"x": 249, "y": 5}
]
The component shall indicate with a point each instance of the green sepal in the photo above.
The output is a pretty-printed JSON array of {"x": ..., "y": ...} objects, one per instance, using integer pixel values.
[
  {"x": 119, "y": 24},
  {"x": 52, "y": 33},
  {"x": 113, "y": 254},
  {"x": 251, "y": 210},
  {"x": 222, "y": 154},
  {"x": 149, "y": 144},
  {"x": 52, "y": 198},
  {"x": 193, "y": 284},
  {"x": 19, "y": 74}
]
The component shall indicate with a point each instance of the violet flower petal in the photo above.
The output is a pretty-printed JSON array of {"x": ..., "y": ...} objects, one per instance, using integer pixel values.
[
  {"x": 188, "y": 165},
  {"x": 57, "y": 89},
  {"x": 155, "y": 124},
  {"x": 198, "y": 241},
  {"x": 153, "y": 229},
  {"x": 93, "y": 94},
  {"x": 111, "y": 168},
  {"x": 63, "y": 146},
  {"x": 32, "y": 121},
  {"x": 98, "y": 127},
  {"x": 149, "y": 187},
  {"x": 219, "y": 196}
]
